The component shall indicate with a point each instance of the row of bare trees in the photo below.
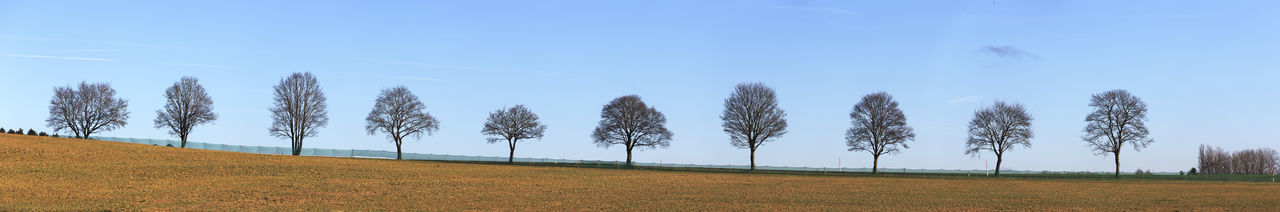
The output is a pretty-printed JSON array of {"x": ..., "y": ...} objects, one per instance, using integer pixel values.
[
  {"x": 92, "y": 107},
  {"x": 1118, "y": 119},
  {"x": 1214, "y": 160},
  {"x": 751, "y": 118}
]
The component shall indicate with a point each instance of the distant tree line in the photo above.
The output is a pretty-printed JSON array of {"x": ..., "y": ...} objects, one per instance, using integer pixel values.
[
  {"x": 751, "y": 118},
  {"x": 1214, "y": 160},
  {"x": 19, "y": 131}
]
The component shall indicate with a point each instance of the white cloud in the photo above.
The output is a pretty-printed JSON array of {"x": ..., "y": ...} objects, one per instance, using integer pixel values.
[
  {"x": 59, "y": 57},
  {"x": 965, "y": 99}
]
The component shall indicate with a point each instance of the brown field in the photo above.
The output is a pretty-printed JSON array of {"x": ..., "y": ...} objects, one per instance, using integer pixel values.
[{"x": 41, "y": 173}]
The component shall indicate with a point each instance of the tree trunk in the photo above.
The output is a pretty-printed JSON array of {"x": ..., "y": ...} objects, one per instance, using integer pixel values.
[
  {"x": 511, "y": 157},
  {"x": 397, "y": 150},
  {"x": 753, "y": 160},
  {"x": 875, "y": 163},
  {"x": 998, "y": 160},
  {"x": 629, "y": 164},
  {"x": 1117, "y": 164},
  {"x": 184, "y": 142},
  {"x": 297, "y": 147}
]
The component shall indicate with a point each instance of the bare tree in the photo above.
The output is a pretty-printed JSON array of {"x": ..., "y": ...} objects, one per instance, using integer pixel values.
[
  {"x": 628, "y": 121},
  {"x": 399, "y": 114},
  {"x": 186, "y": 106},
  {"x": 1255, "y": 161},
  {"x": 999, "y": 128},
  {"x": 1249, "y": 161},
  {"x": 879, "y": 127},
  {"x": 1214, "y": 160},
  {"x": 512, "y": 124},
  {"x": 299, "y": 109},
  {"x": 89, "y": 109},
  {"x": 752, "y": 117},
  {"x": 1118, "y": 118}
]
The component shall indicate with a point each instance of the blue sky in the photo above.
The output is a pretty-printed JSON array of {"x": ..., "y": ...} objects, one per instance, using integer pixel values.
[{"x": 1208, "y": 70}]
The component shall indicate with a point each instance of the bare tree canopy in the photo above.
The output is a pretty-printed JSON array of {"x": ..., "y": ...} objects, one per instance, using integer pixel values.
[
  {"x": 89, "y": 109},
  {"x": 1214, "y": 160},
  {"x": 399, "y": 114},
  {"x": 186, "y": 106},
  {"x": 752, "y": 117},
  {"x": 1118, "y": 118},
  {"x": 1250, "y": 161},
  {"x": 512, "y": 124},
  {"x": 299, "y": 109},
  {"x": 879, "y": 127},
  {"x": 999, "y": 128},
  {"x": 628, "y": 121}
]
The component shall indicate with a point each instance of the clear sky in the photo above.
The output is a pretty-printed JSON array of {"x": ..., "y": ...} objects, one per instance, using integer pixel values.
[{"x": 1209, "y": 70}]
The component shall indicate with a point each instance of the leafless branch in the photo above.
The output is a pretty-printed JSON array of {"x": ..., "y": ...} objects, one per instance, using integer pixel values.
[
  {"x": 512, "y": 124},
  {"x": 1118, "y": 118},
  {"x": 879, "y": 127},
  {"x": 186, "y": 106},
  {"x": 299, "y": 109},
  {"x": 628, "y": 121},
  {"x": 89, "y": 109},
  {"x": 999, "y": 128},
  {"x": 399, "y": 114},
  {"x": 752, "y": 117}
]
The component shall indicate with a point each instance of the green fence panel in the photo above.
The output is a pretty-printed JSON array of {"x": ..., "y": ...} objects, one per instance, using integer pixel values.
[
  {"x": 230, "y": 148},
  {"x": 386, "y": 154},
  {"x": 266, "y": 150},
  {"x": 596, "y": 163},
  {"x": 213, "y": 147},
  {"x": 324, "y": 152}
]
